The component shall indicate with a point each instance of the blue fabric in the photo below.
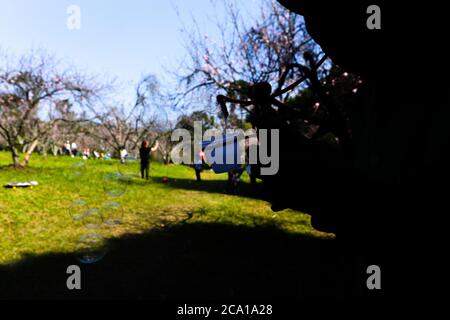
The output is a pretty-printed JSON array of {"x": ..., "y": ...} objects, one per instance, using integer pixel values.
[{"x": 224, "y": 167}]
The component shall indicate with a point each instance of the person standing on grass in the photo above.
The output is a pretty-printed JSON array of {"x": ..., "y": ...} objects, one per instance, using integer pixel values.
[
  {"x": 67, "y": 148},
  {"x": 123, "y": 155},
  {"x": 74, "y": 149},
  {"x": 198, "y": 166},
  {"x": 144, "y": 153}
]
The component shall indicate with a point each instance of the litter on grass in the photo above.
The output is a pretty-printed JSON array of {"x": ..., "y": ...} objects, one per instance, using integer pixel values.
[{"x": 13, "y": 185}]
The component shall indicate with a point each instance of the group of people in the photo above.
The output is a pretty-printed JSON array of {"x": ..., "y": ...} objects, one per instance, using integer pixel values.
[{"x": 71, "y": 149}]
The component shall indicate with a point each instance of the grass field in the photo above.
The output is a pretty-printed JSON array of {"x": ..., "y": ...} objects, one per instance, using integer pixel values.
[{"x": 40, "y": 220}]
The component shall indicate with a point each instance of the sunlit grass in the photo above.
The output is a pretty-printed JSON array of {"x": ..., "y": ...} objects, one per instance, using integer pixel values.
[{"x": 38, "y": 221}]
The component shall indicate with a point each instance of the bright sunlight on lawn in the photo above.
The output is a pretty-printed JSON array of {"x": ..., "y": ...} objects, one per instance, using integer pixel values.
[{"x": 38, "y": 220}]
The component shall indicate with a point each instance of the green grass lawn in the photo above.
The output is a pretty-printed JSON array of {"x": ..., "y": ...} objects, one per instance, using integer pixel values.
[{"x": 40, "y": 220}]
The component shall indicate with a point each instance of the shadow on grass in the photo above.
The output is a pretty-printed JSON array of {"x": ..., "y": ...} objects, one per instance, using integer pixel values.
[
  {"x": 196, "y": 261},
  {"x": 11, "y": 167},
  {"x": 212, "y": 186}
]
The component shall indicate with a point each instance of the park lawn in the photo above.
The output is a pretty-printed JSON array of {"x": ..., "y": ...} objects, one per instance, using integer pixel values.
[{"x": 37, "y": 221}]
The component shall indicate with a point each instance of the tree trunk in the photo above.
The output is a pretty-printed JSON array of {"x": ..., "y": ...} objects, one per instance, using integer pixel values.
[
  {"x": 29, "y": 152},
  {"x": 55, "y": 150},
  {"x": 15, "y": 157},
  {"x": 166, "y": 159}
]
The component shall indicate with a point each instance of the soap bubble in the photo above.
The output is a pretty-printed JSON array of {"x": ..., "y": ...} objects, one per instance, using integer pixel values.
[
  {"x": 77, "y": 209},
  {"x": 160, "y": 116},
  {"x": 112, "y": 213},
  {"x": 76, "y": 173},
  {"x": 115, "y": 184},
  {"x": 78, "y": 169},
  {"x": 92, "y": 219},
  {"x": 91, "y": 248},
  {"x": 127, "y": 169}
]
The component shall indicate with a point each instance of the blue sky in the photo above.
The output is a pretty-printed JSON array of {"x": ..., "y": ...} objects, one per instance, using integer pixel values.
[{"x": 122, "y": 39}]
